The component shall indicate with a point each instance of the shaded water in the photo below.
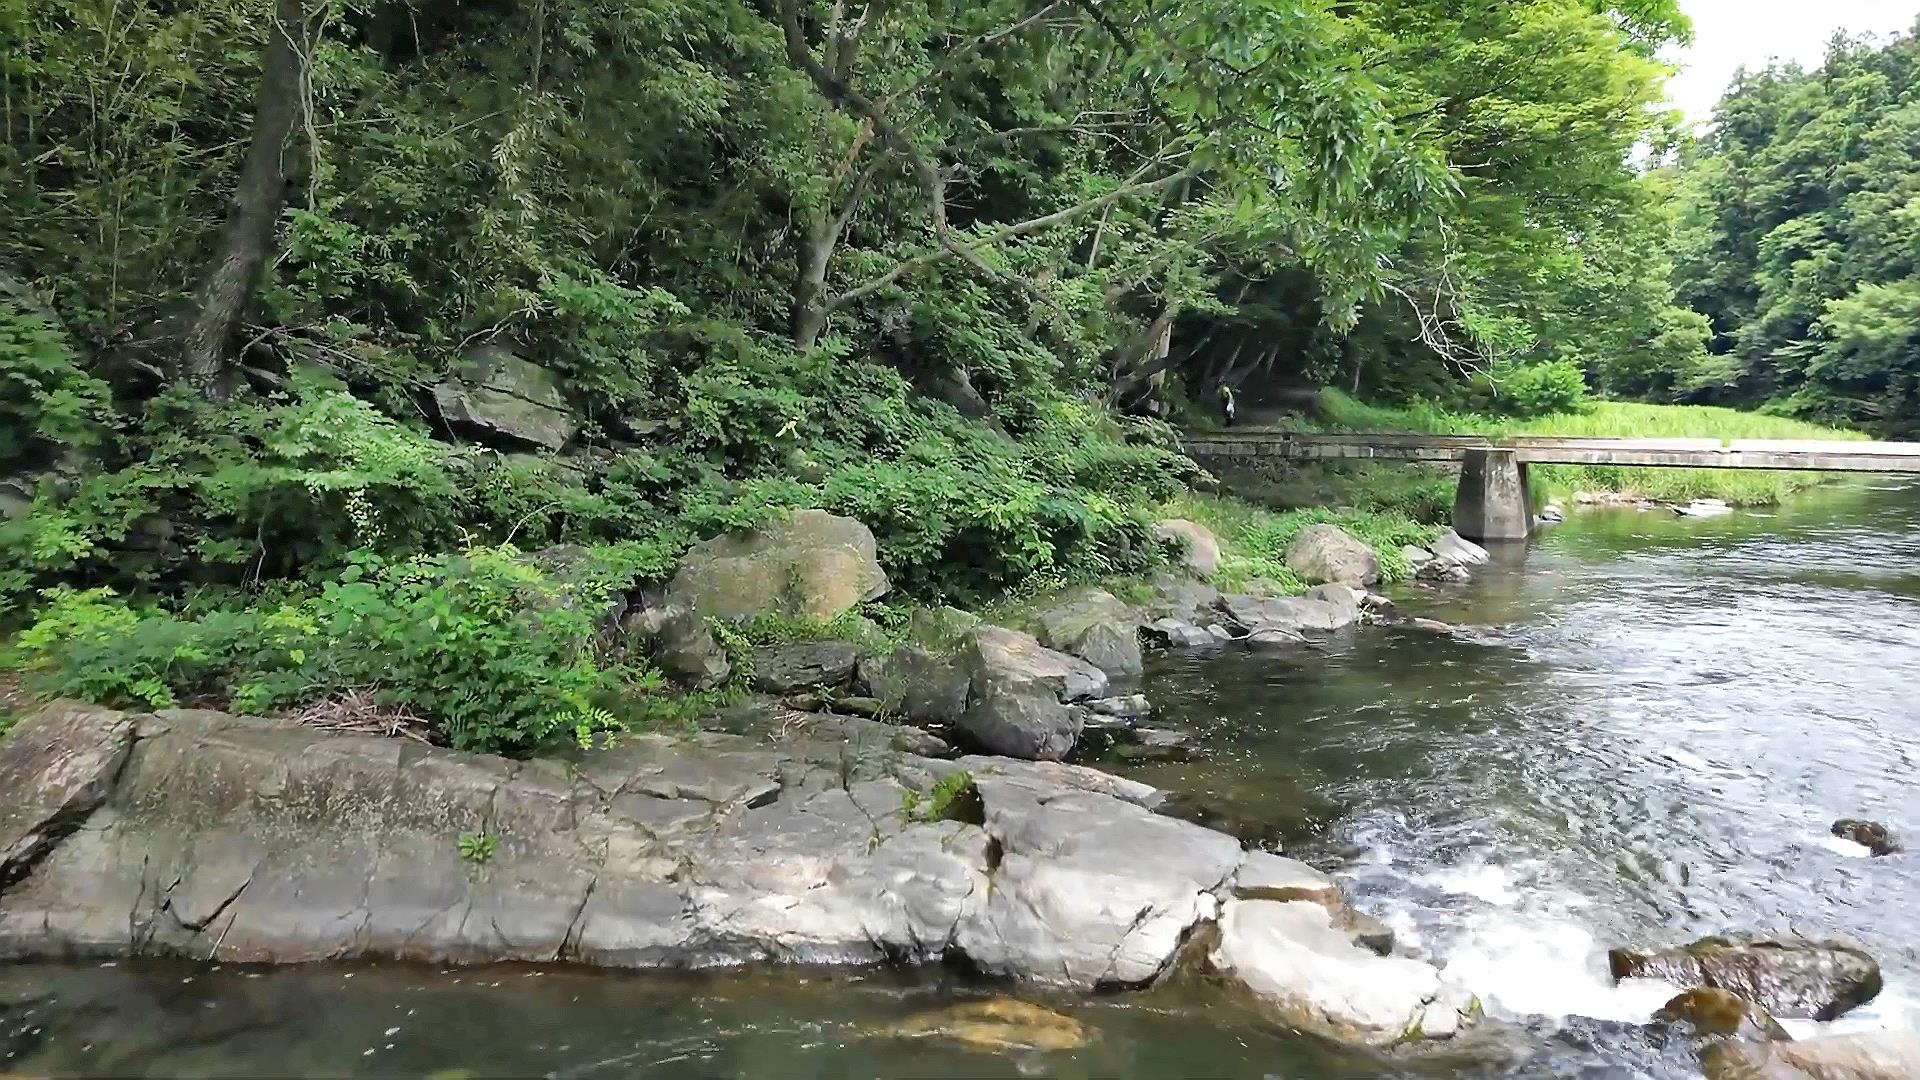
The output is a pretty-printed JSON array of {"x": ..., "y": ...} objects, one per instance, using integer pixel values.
[{"x": 1644, "y": 741}]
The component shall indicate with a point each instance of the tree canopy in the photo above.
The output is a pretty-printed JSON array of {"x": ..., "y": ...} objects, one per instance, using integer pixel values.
[{"x": 1800, "y": 235}]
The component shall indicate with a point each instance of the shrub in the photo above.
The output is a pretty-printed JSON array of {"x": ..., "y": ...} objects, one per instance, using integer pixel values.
[
  {"x": 1543, "y": 389},
  {"x": 484, "y": 644}
]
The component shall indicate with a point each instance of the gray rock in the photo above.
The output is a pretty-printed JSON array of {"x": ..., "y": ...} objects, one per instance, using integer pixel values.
[
  {"x": 1291, "y": 614},
  {"x": 1874, "y": 1055},
  {"x": 1021, "y": 721},
  {"x": 811, "y": 564},
  {"x": 921, "y": 685},
  {"x": 250, "y": 841},
  {"x": 1451, "y": 545},
  {"x": 687, "y": 649},
  {"x": 1160, "y": 744},
  {"x": 783, "y": 669},
  {"x": 1219, "y": 633},
  {"x": 1181, "y": 598},
  {"x": 1200, "y": 549},
  {"x": 1174, "y": 634},
  {"x": 1443, "y": 570},
  {"x": 1265, "y": 876},
  {"x": 1344, "y": 597},
  {"x": 1788, "y": 977},
  {"x": 1329, "y": 554},
  {"x": 1095, "y": 626},
  {"x": 1311, "y": 976},
  {"x": 995, "y": 654},
  {"x": 58, "y": 767},
  {"x": 1273, "y": 638},
  {"x": 499, "y": 399},
  {"x": 1416, "y": 556},
  {"x": 1129, "y": 707},
  {"x": 1069, "y": 904}
]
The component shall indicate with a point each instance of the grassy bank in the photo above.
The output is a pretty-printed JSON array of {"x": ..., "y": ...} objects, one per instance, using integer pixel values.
[
  {"x": 1254, "y": 539},
  {"x": 1613, "y": 419}
]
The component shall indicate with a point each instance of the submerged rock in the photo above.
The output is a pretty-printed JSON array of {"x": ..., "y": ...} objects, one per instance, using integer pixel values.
[
  {"x": 998, "y": 1025},
  {"x": 1444, "y": 571},
  {"x": 1200, "y": 549},
  {"x": 1322, "y": 554},
  {"x": 1872, "y": 835},
  {"x": 1160, "y": 744},
  {"x": 810, "y": 564},
  {"x": 1721, "y": 1014},
  {"x": 1788, "y": 977},
  {"x": 1878, "y": 1055},
  {"x": 1451, "y": 545}
]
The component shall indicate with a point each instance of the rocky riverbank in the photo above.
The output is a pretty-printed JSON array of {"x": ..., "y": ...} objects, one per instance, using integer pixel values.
[{"x": 208, "y": 836}]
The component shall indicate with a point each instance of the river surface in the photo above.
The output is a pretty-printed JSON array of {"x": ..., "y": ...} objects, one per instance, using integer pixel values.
[{"x": 1643, "y": 739}]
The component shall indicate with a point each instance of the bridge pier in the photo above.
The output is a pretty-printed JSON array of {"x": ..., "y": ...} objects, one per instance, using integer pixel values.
[{"x": 1492, "y": 502}]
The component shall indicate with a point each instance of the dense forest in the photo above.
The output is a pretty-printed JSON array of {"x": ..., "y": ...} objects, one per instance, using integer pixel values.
[
  {"x": 1800, "y": 240},
  {"x": 314, "y": 316}
]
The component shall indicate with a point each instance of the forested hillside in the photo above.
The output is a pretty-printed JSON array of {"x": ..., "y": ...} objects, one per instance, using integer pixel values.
[
  {"x": 1801, "y": 242},
  {"x": 297, "y": 299}
]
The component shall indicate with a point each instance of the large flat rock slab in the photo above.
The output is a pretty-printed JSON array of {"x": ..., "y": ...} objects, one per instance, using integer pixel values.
[{"x": 57, "y": 768}]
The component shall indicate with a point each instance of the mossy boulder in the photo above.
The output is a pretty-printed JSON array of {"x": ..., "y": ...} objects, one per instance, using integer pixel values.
[
  {"x": 1786, "y": 976},
  {"x": 1721, "y": 1014},
  {"x": 1199, "y": 548},
  {"x": 1095, "y": 626},
  {"x": 498, "y": 399},
  {"x": 1329, "y": 554},
  {"x": 809, "y": 564}
]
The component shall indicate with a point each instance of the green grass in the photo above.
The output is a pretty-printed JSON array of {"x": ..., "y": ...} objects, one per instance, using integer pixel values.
[
  {"x": 1254, "y": 539},
  {"x": 1616, "y": 419}
]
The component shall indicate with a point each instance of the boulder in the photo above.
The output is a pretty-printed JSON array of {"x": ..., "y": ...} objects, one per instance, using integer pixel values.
[
  {"x": 1872, "y": 835},
  {"x": 810, "y": 564},
  {"x": 1877, "y": 1055},
  {"x": 58, "y": 767},
  {"x": 1200, "y": 549},
  {"x": 197, "y": 835},
  {"x": 919, "y": 684},
  {"x": 1443, "y": 570},
  {"x": 997, "y": 1025},
  {"x": 496, "y": 398},
  {"x": 997, "y": 655},
  {"x": 805, "y": 665},
  {"x": 1021, "y": 721},
  {"x": 1069, "y": 902},
  {"x": 1288, "y": 614},
  {"x": 1788, "y": 977},
  {"x": 1416, "y": 556},
  {"x": 1328, "y": 553},
  {"x": 687, "y": 649},
  {"x": 1174, "y": 634},
  {"x": 1311, "y": 976},
  {"x": 1095, "y": 626},
  {"x": 1721, "y": 1014},
  {"x": 1451, "y": 545},
  {"x": 1181, "y": 598},
  {"x": 1340, "y": 596}
]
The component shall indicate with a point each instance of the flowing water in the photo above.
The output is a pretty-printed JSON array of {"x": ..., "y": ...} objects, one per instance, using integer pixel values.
[{"x": 1642, "y": 738}]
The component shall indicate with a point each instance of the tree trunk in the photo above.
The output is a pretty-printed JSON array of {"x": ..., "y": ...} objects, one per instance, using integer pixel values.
[{"x": 206, "y": 353}]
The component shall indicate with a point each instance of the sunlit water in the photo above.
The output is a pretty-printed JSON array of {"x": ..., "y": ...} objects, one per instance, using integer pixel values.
[{"x": 1643, "y": 740}]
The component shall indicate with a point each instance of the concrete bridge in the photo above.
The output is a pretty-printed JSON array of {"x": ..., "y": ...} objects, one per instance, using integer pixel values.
[{"x": 1492, "y": 502}]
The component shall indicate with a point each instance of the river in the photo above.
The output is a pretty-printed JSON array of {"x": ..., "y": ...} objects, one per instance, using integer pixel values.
[{"x": 1642, "y": 739}]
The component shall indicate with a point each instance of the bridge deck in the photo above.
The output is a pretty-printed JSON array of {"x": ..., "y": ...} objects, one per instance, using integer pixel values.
[{"x": 1877, "y": 457}]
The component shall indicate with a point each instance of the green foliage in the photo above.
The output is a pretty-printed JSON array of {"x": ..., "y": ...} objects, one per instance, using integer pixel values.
[
  {"x": 952, "y": 798},
  {"x": 1548, "y": 388},
  {"x": 1254, "y": 539},
  {"x": 477, "y": 847},
  {"x": 47, "y": 403},
  {"x": 1799, "y": 239},
  {"x": 483, "y": 644}
]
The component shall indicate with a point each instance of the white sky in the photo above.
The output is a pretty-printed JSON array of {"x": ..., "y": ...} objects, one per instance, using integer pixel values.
[{"x": 1731, "y": 33}]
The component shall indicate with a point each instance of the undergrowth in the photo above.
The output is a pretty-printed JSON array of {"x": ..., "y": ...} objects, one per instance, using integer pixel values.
[{"x": 1254, "y": 539}]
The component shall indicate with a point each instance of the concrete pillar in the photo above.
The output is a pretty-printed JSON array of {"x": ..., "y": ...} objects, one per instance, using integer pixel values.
[{"x": 1493, "y": 502}]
